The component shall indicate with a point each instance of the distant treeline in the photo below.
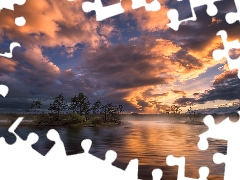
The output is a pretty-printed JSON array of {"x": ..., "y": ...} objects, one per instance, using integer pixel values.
[{"x": 79, "y": 110}]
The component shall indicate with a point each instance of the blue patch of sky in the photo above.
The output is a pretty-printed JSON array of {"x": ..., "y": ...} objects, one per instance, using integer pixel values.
[
  {"x": 212, "y": 72},
  {"x": 183, "y": 7},
  {"x": 207, "y": 77},
  {"x": 128, "y": 29},
  {"x": 60, "y": 57},
  {"x": 5, "y": 45}
]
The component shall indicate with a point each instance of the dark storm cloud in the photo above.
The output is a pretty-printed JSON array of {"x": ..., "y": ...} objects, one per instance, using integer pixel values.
[
  {"x": 179, "y": 92},
  {"x": 198, "y": 34},
  {"x": 149, "y": 93},
  {"x": 126, "y": 65},
  {"x": 225, "y": 87},
  {"x": 185, "y": 101},
  {"x": 186, "y": 60}
]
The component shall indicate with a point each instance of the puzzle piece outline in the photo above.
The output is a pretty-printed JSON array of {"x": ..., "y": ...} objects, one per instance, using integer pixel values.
[
  {"x": 233, "y": 17},
  {"x": 180, "y": 162},
  {"x": 219, "y": 54},
  {"x": 104, "y": 12},
  {"x": 130, "y": 173},
  {"x": 216, "y": 131},
  {"x": 9, "y": 54},
  {"x": 9, "y": 4},
  {"x": 173, "y": 14}
]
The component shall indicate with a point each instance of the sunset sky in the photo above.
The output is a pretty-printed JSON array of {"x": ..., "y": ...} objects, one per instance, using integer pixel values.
[{"x": 133, "y": 59}]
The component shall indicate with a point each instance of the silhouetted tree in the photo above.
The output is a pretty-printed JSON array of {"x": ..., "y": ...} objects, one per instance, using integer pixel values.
[
  {"x": 96, "y": 107},
  {"x": 80, "y": 104},
  {"x": 120, "y": 108},
  {"x": 74, "y": 104},
  {"x": 104, "y": 112},
  {"x": 58, "y": 106},
  {"x": 193, "y": 114},
  {"x": 175, "y": 109},
  {"x": 35, "y": 106},
  {"x": 110, "y": 112}
]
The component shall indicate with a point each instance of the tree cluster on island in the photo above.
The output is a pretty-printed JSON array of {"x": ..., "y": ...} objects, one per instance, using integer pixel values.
[{"x": 78, "y": 111}]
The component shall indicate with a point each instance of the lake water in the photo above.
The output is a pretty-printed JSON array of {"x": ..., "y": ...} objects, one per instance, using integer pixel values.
[{"x": 148, "y": 141}]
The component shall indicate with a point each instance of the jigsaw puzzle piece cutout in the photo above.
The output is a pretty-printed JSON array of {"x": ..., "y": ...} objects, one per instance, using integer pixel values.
[
  {"x": 157, "y": 174},
  {"x": 24, "y": 132},
  {"x": 132, "y": 169},
  {"x": 9, "y": 4},
  {"x": 153, "y": 6},
  {"x": 86, "y": 145},
  {"x": 101, "y": 11},
  {"x": 58, "y": 149},
  {"x": 4, "y": 90},
  {"x": 20, "y": 21},
  {"x": 104, "y": 12},
  {"x": 232, "y": 17},
  {"x": 173, "y": 14},
  {"x": 110, "y": 156},
  {"x": 215, "y": 131},
  {"x": 229, "y": 131},
  {"x": 101, "y": 167},
  {"x": 183, "y": 8},
  {"x": 231, "y": 161},
  {"x": 231, "y": 165},
  {"x": 23, "y": 147},
  {"x": 180, "y": 162},
  {"x": 219, "y": 158},
  {"x": 12, "y": 46},
  {"x": 14, "y": 155},
  {"x": 224, "y": 53},
  {"x": 8, "y": 137}
]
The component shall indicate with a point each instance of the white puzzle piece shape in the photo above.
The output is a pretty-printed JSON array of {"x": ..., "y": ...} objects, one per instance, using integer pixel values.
[
  {"x": 153, "y": 6},
  {"x": 229, "y": 131},
  {"x": 224, "y": 53},
  {"x": 232, "y": 17},
  {"x": 104, "y": 12},
  {"x": 9, "y": 4},
  {"x": 180, "y": 162},
  {"x": 101, "y": 11},
  {"x": 173, "y": 14},
  {"x": 26, "y": 162},
  {"x": 3, "y": 90},
  {"x": 9, "y": 54},
  {"x": 58, "y": 149}
]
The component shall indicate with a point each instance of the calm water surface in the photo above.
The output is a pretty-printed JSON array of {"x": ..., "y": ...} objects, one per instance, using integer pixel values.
[{"x": 148, "y": 141}]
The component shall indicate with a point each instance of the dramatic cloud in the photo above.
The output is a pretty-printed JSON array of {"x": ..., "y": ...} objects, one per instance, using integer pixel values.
[
  {"x": 133, "y": 59},
  {"x": 50, "y": 23},
  {"x": 226, "y": 86},
  {"x": 7, "y": 65}
]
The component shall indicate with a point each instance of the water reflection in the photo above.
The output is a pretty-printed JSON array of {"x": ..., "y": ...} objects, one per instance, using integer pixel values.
[{"x": 150, "y": 142}]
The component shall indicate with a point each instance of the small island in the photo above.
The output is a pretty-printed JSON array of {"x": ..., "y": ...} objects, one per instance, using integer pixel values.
[{"x": 78, "y": 112}]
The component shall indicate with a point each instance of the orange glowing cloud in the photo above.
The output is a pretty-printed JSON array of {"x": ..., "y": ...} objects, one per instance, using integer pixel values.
[
  {"x": 7, "y": 65},
  {"x": 148, "y": 21},
  {"x": 50, "y": 23}
]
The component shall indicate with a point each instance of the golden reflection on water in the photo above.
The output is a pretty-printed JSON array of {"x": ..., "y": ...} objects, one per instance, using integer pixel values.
[
  {"x": 152, "y": 142},
  {"x": 149, "y": 141}
]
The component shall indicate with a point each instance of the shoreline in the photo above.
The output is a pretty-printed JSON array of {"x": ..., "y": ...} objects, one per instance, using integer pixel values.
[{"x": 30, "y": 123}]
